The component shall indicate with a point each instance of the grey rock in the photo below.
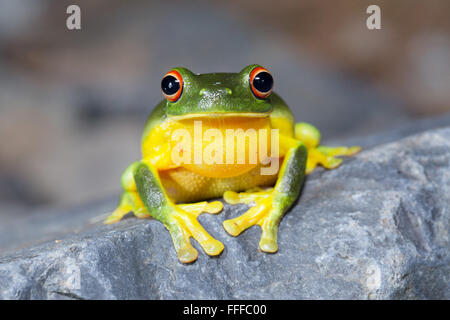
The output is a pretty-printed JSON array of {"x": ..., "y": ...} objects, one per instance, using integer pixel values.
[{"x": 375, "y": 228}]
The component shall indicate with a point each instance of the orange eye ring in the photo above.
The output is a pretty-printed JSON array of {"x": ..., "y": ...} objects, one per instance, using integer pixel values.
[
  {"x": 172, "y": 85},
  {"x": 261, "y": 82}
]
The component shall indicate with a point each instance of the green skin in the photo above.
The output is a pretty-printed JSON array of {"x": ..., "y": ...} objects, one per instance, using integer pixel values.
[{"x": 206, "y": 94}]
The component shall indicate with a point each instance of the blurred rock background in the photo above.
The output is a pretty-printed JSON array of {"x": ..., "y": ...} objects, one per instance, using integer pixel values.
[{"x": 73, "y": 103}]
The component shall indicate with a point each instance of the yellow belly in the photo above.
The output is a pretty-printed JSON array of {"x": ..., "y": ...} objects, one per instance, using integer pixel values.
[
  {"x": 229, "y": 146},
  {"x": 183, "y": 185},
  {"x": 215, "y": 147}
]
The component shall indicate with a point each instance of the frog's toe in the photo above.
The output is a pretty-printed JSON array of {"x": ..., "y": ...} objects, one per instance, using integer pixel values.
[
  {"x": 142, "y": 213},
  {"x": 268, "y": 242},
  {"x": 231, "y": 197},
  {"x": 268, "y": 245},
  {"x": 353, "y": 150},
  {"x": 117, "y": 215},
  {"x": 212, "y": 247},
  {"x": 339, "y": 151},
  {"x": 187, "y": 254},
  {"x": 232, "y": 227},
  {"x": 331, "y": 162}
]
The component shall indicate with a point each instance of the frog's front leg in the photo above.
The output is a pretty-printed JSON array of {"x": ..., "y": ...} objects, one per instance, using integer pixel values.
[
  {"x": 270, "y": 205},
  {"x": 325, "y": 156},
  {"x": 180, "y": 220}
]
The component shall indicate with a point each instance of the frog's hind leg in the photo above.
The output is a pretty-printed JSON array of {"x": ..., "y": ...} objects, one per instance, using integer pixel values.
[{"x": 325, "y": 156}]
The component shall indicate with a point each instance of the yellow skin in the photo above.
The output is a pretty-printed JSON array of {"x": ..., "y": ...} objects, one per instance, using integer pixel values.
[{"x": 158, "y": 187}]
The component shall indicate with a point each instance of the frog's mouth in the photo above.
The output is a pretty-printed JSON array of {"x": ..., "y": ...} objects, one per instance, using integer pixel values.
[{"x": 221, "y": 115}]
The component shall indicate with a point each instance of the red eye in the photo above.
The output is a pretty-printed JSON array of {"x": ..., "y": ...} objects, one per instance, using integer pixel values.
[
  {"x": 261, "y": 82},
  {"x": 172, "y": 85}
]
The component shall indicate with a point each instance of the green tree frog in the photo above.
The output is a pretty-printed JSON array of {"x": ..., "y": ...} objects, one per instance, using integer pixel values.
[{"x": 175, "y": 192}]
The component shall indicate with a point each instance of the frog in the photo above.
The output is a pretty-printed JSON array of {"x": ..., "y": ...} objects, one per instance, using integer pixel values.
[{"x": 175, "y": 192}]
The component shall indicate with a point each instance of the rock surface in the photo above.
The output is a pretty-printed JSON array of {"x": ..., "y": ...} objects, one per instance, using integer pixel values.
[{"x": 375, "y": 228}]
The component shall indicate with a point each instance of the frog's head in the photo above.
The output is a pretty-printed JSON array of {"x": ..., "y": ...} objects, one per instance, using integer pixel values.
[{"x": 247, "y": 93}]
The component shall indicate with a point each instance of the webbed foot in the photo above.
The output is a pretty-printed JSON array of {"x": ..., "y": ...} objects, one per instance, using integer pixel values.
[
  {"x": 182, "y": 224},
  {"x": 264, "y": 213},
  {"x": 129, "y": 201}
]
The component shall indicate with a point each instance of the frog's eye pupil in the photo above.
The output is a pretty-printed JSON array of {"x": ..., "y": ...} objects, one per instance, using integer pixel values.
[
  {"x": 172, "y": 85},
  {"x": 261, "y": 82}
]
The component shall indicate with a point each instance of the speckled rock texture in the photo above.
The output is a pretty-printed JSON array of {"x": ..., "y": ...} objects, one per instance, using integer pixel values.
[{"x": 375, "y": 228}]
